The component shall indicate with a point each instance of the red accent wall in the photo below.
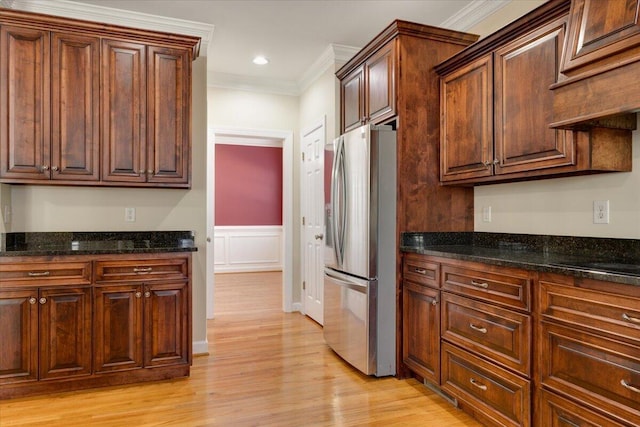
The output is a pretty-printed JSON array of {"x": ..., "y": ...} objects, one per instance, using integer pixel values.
[{"x": 248, "y": 185}]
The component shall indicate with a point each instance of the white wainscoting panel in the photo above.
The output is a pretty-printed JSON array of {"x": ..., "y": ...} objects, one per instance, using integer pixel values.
[{"x": 247, "y": 248}]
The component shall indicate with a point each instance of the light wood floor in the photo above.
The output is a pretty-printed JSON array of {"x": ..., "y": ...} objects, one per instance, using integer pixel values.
[{"x": 265, "y": 368}]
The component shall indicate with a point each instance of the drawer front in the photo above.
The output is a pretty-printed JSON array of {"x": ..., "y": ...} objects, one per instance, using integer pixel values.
[
  {"x": 556, "y": 411},
  {"x": 602, "y": 373},
  {"x": 594, "y": 310},
  {"x": 493, "y": 392},
  {"x": 45, "y": 273},
  {"x": 501, "y": 335},
  {"x": 142, "y": 270},
  {"x": 507, "y": 289},
  {"x": 417, "y": 269}
]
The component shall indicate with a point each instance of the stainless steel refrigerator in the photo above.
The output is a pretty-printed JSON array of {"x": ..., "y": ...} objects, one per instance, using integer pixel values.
[{"x": 360, "y": 248}]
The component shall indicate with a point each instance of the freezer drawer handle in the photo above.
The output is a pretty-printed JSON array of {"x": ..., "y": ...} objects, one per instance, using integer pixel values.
[
  {"x": 352, "y": 285},
  {"x": 478, "y": 328},
  {"x": 478, "y": 384},
  {"x": 631, "y": 319},
  {"x": 630, "y": 386},
  {"x": 483, "y": 285}
]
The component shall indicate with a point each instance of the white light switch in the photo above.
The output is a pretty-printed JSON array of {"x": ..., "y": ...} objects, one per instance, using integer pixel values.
[
  {"x": 601, "y": 212},
  {"x": 130, "y": 214}
]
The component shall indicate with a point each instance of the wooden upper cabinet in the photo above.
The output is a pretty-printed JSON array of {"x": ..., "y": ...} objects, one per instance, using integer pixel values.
[
  {"x": 123, "y": 111},
  {"x": 368, "y": 92},
  {"x": 25, "y": 138},
  {"x": 524, "y": 70},
  {"x": 601, "y": 31},
  {"x": 352, "y": 95},
  {"x": 169, "y": 119},
  {"x": 75, "y": 105},
  {"x": 466, "y": 96}
]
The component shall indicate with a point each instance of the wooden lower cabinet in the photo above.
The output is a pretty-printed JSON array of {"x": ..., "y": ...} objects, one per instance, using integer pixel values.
[
  {"x": 556, "y": 411},
  {"x": 66, "y": 326}
]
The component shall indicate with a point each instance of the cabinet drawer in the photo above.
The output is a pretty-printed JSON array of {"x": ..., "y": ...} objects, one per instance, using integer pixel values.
[
  {"x": 142, "y": 270},
  {"x": 494, "y": 393},
  {"x": 600, "y": 372},
  {"x": 495, "y": 285},
  {"x": 501, "y": 335},
  {"x": 45, "y": 273},
  {"x": 597, "y": 311},
  {"x": 556, "y": 411},
  {"x": 417, "y": 269}
]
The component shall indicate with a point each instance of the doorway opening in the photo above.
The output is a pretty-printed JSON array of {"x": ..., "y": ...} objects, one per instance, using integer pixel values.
[{"x": 286, "y": 138}]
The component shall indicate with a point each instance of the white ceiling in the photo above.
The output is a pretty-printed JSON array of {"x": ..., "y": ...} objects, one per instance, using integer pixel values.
[{"x": 292, "y": 34}]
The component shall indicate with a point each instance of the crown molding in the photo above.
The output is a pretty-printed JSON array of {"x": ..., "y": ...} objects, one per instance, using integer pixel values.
[
  {"x": 334, "y": 54},
  {"x": 473, "y": 13},
  {"x": 108, "y": 15}
]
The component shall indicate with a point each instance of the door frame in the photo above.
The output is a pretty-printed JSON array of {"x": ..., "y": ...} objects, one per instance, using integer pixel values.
[{"x": 287, "y": 208}]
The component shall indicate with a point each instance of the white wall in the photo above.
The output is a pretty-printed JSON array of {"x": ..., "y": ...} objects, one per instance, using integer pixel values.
[
  {"x": 561, "y": 206},
  {"x": 48, "y": 208},
  {"x": 320, "y": 99}
]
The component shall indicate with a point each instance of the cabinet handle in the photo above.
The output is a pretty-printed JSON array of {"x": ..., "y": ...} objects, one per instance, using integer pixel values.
[
  {"x": 150, "y": 172},
  {"x": 478, "y": 328},
  {"x": 139, "y": 270},
  {"x": 486, "y": 163},
  {"x": 43, "y": 300},
  {"x": 45, "y": 168},
  {"x": 434, "y": 301},
  {"x": 478, "y": 384},
  {"x": 631, "y": 319},
  {"x": 138, "y": 294},
  {"x": 420, "y": 270},
  {"x": 630, "y": 386},
  {"x": 37, "y": 274},
  {"x": 32, "y": 300},
  {"x": 147, "y": 294},
  {"x": 483, "y": 285},
  {"x": 54, "y": 168}
]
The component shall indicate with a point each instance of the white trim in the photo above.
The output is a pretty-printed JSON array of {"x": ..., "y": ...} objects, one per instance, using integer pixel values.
[
  {"x": 297, "y": 306},
  {"x": 109, "y": 15},
  {"x": 334, "y": 53},
  {"x": 7, "y": 3},
  {"x": 473, "y": 13},
  {"x": 247, "y": 248},
  {"x": 287, "y": 206},
  {"x": 200, "y": 347},
  {"x": 253, "y": 142},
  {"x": 252, "y": 83}
]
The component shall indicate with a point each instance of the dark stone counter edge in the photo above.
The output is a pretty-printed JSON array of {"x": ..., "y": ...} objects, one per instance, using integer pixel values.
[
  {"x": 553, "y": 254},
  {"x": 95, "y": 252}
]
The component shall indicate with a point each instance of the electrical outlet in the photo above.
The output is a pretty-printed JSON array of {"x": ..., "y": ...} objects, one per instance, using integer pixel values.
[
  {"x": 601, "y": 212},
  {"x": 7, "y": 214},
  {"x": 130, "y": 214},
  {"x": 486, "y": 213}
]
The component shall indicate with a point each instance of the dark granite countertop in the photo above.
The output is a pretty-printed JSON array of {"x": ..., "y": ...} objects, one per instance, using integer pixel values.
[
  {"x": 91, "y": 243},
  {"x": 613, "y": 260}
]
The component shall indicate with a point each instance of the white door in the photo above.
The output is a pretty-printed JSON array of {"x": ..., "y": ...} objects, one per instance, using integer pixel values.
[{"x": 312, "y": 196}]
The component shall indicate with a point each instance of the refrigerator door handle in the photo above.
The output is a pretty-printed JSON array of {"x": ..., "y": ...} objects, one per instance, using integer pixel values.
[
  {"x": 348, "y": 284},
  {"x": 337, "y": 201}
]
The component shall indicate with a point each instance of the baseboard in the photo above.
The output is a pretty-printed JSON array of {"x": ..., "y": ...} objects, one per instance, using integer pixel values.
[
  {"x": 200, "y": 347},
  {"x": 296, "y": 306}
]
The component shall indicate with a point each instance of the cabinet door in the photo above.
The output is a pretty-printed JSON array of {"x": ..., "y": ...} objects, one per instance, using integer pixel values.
[
  {"x": 169, "y": 121},
  {"x": 380, "y": 93},
  {"x": 466, "y": 145},
  {"x": 75, "y": 106},
  {"x": 24, "y": 103},
  {"x": 123, "y": 112},
  {"x": 117, "y": 328},
  {"x": 524, "y": 70},
  {"x": 601, "y": 35},
  {"x": 352, "y": 96},
  {"x": 421, "y": 330},
  {"x": 19, "y": 325},
  {"x": 166, "y": 318},
  {"x": 65, "y": 332}
]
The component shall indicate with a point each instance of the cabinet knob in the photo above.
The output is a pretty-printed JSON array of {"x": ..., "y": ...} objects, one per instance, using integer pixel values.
[
  {"x": 150, "y": 172},
  {"x": 147, "y": 294},
  {"x": 45, "y": 167},
  {"x": 319, "y": 236},
  {"x": 32, "y": 300},
  {"x": 141, "y": 171},
  {"x": 486, "y": 163},
  {"x": 43, "y": 300},
  {"x": 138, "y": 294},
  {"x": 54, "y": 168}
]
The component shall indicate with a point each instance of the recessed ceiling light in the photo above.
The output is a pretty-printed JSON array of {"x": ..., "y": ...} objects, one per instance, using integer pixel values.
[{"x": 260, "y": 60}]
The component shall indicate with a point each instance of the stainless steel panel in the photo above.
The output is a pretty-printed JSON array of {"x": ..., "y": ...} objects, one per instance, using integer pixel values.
[{"x": 349, "y": 313}]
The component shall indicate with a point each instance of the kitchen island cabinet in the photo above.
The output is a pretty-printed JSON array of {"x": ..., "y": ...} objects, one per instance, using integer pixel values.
[
  {"x": 98, "y": 318},
  {"x": 85, "y": 103}
]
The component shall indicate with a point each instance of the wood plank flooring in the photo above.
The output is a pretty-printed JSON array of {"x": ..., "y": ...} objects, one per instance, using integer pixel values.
[{"x": 265, "y": 368}]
